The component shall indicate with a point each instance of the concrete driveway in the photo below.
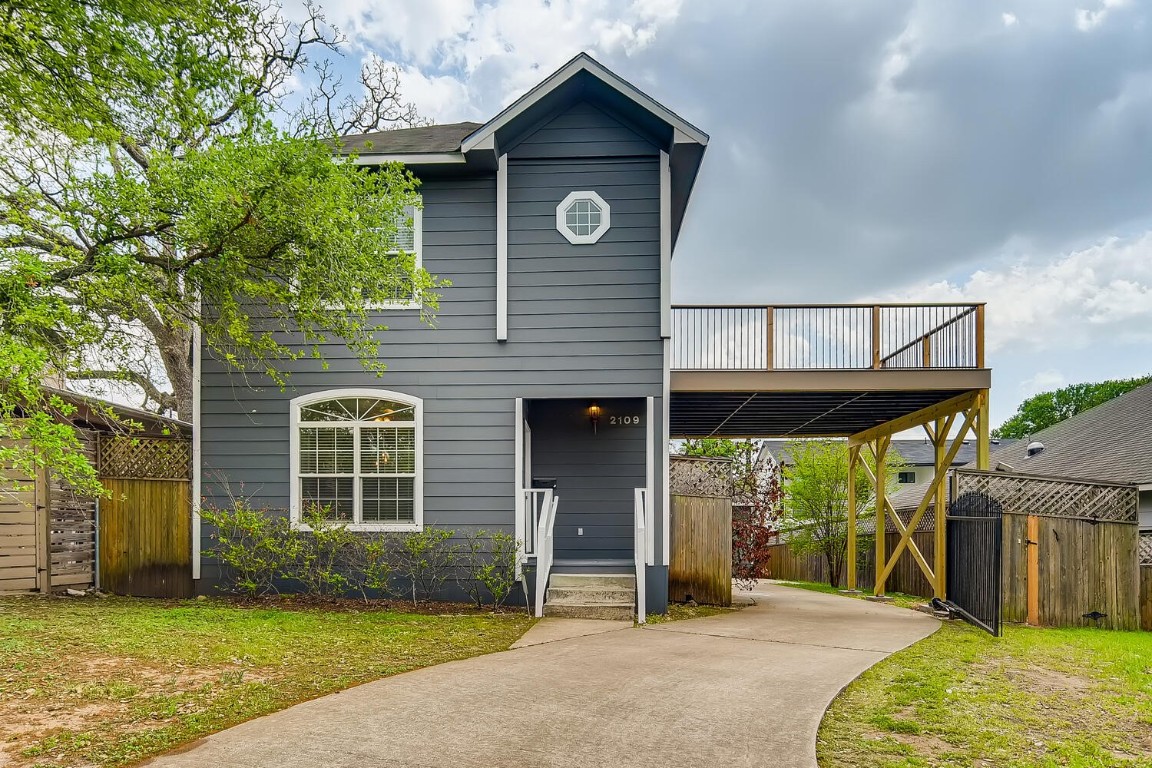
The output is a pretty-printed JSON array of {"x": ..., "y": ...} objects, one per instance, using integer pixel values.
[{"x": 743, "y": 689}]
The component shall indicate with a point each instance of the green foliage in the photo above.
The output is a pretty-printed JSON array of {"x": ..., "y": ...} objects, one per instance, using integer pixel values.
[
  {"x": 488, "y": 566},
  {"x": 370, "y": 564},
  {"x": 255, "y": 547},
  {"x": 425, "y": 559},
  {"x": 717, "y": 447},
  {"x": 1047, "y": 408},
  {"x": 323, "y": 554},
  {"x": 148, "y": 168},
  {"x": 816, "y": 498}
]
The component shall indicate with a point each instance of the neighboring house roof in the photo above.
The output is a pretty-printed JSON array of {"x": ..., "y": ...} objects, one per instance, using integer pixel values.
[
  {"x": 416, "y": 141},
  {"x": 93, "y": 413},
  {"x": 1110, "y": 443},
  {"x": 918, "y": 453}
]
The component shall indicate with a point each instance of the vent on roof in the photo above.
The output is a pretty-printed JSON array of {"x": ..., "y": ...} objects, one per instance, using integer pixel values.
[{"x": 1034, "y": 448}]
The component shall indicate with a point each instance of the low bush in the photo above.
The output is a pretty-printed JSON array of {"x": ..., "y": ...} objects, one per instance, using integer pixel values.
[
  {"x": 425, "y": 559},
  {"x": 488, "y": 566}
]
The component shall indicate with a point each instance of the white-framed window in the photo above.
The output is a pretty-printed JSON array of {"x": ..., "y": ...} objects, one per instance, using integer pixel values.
[
  {"x": 357, "y": 455},
  {"x": 583, "y": 217},
  {"x": 408, "y": 238}
]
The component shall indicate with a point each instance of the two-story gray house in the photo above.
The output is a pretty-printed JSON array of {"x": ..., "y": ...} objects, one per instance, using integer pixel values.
[{"x": 538, "y": 404}]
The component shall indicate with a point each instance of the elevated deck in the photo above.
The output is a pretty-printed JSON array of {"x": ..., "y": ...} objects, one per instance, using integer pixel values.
[{"x": 820, "y": 370}]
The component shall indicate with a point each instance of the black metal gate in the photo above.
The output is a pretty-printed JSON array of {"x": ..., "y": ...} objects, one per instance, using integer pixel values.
[{"x": 975, "y": 537}]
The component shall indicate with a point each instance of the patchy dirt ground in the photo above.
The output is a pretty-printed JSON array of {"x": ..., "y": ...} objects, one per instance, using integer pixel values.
[{"x": 91, "y": 682}]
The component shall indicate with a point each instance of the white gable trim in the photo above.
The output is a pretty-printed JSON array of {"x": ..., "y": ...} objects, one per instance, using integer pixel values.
[
  {"x": 419, "y": 158},
  {"x": 502, "y": 248},
  {"x": 582, "y": 63}
]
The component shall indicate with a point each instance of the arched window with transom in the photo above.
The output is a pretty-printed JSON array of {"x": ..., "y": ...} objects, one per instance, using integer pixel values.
[{"x": 357, "y": 458}]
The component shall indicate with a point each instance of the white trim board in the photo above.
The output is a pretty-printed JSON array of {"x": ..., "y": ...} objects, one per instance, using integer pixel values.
[
  {"x": 665, "y": 246},
  {"x": 502, "y": 248},
  {"x": 197, "y": 479}
]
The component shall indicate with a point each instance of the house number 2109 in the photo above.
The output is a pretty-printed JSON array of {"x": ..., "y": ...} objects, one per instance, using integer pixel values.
[{"x": 627, "y": 421}]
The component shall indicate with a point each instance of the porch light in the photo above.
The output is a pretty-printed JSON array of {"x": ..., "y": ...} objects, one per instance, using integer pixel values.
[{"x": 594, "y": 416}]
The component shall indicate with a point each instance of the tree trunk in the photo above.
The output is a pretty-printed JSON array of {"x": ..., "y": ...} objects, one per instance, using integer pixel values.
[{"x": 175, "y": 345}]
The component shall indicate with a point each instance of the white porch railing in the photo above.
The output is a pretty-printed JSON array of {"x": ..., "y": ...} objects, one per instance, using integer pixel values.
[
  {"x": 544, "y": 517},
  {"x": 643, "y": 544}
]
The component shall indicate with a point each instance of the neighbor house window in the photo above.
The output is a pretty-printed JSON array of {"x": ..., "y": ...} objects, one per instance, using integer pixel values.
[
  {"x": 356, "y": 458},
  {"x": 907, "y": 477},
  {"x": 583, "y": 217}
]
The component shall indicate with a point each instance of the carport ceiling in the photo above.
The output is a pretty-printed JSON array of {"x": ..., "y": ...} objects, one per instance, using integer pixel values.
[{"x": 793, "y": 414}]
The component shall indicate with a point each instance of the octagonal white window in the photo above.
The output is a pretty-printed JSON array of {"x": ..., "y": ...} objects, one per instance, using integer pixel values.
[{"x": 583, "y": 217}]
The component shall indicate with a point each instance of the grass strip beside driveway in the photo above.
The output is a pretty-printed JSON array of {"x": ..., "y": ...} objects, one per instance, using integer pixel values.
[
  {"x": 110, "y": 682},
  {"x": 1035, "y": 697}
]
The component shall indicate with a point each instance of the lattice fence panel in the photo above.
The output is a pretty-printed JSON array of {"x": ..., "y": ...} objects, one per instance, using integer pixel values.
[
  {"x": 698, "y": 476},
  {"x": 1052, "y": 497},
  {"x": 153, "y": 458},
  {"x": 1144, "y": 550}
]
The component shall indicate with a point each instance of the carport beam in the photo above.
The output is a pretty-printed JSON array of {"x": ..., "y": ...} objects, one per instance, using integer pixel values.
[
  {"x": 850, "y": 555},
  {"x": 880, "y": 477}
]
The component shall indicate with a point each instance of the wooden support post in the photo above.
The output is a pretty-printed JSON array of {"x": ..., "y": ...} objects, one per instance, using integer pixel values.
[
  {"x": 42, "y": 503},
  {"x": 983, "y": 433},
  {"x": 939, "y": 443},
  {"x": 850, "y": 555},
  {"x": 875, "y": 337},
  {"x": 881, "y": 479},
  {"x": 770, "y": 338},
  {"x": 1033, "y": 576},
  {"x": 980, "y": 336},
  {"x": 926, "y": 352}
]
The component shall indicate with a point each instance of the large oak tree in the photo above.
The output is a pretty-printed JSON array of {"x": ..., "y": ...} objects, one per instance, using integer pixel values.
[{"x": 154, "y": 160}]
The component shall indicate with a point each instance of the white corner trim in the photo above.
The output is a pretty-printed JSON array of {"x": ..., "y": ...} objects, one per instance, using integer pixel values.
[
  {"x": 665, "y": 481},
  {"x": 649, "y": 481},
  {"x": 502, "y": 249},
  {"x": 518, "y": 482},
  {"x": 294, "y": 456},
  {"x": 197, "y": 372},
  {"x": 665, "y": 246},
  {"x": 596, "y": 234}
]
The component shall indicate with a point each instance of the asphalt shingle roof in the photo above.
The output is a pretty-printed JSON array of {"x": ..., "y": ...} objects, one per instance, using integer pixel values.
[
  {"x": 1111, "y": 443},
  {"x": 427, "y": 138}
]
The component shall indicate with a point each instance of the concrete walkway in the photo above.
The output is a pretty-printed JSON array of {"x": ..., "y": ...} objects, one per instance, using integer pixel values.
[{"x": 742, "y": 689}]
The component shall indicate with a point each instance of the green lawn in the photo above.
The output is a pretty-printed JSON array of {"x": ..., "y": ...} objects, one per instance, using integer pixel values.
[
  {"x": 1035, "y": 697},
  {"x": 110, "y": 682}
]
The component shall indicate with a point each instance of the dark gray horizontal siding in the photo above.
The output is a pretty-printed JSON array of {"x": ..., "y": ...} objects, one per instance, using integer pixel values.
[{"x": 583, "y": 323}]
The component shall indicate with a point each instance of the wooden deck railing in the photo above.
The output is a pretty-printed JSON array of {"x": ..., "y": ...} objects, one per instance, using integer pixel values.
[{"x": 827, "y": 337}]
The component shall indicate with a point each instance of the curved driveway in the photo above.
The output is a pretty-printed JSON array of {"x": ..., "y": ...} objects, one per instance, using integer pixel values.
[{"x": 743, "y": 689}]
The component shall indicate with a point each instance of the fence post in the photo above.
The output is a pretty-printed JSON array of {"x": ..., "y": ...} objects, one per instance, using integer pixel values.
[
  {"x": 1032, "y": 579},
  {"x": 770, "y": 341},
  {"x": 875, "y": 336}
]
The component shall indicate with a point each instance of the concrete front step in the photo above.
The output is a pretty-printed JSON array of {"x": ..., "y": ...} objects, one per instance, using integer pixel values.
[
  {"x": 588, "y": 580},
  {"x": 609, "y": 596},
  {"x": 604, "y": 612},
  {"x": 591, "y": 595}
]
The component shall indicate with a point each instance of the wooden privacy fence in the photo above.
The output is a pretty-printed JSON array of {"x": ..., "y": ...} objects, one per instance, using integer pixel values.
[
  {"x": 905, "y": 577},
  {"x": 145, "y": 532},
  {"x": 701, "y": 530},
  {"x": 1069, "y": 551},
  {"x": 1145, "y": 555},
  {"x": 47, "y": 531}
]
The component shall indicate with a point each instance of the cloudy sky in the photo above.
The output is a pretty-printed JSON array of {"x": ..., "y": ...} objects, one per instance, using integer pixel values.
[{"x": 966, "y": 150}]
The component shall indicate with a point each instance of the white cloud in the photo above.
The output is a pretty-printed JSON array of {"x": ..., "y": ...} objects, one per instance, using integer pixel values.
[
  {"x": 1087, "y": 20},
  {"x": 493, "y": 52},
  {"x": 1009, "y": 19},
  {"x": 1096, "y": 296},
  {"x": 1043, "y": 381}
]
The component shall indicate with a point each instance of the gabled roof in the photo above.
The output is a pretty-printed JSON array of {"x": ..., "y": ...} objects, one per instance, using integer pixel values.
[
  {"x": 1111, "y": 443},
  {"x": 404, "y": 141},
  {"x": 580, "y": 64}
]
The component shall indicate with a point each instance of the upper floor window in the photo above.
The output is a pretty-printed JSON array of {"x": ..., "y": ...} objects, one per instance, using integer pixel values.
[
  {"x": 356, "y": 457},
  {"x": 907, "y": 477},
  {"x": 583, "y": 217},
  {"x": 408, "y": 238}
]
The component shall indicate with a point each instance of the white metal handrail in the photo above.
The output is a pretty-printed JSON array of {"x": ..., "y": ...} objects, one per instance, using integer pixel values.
[
  {"x": 642, "y": 549},
  {"x": 533, "y": 503},
  {"x": 544, "y": 541}
]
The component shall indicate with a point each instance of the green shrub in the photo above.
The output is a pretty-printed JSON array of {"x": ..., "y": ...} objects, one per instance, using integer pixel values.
[
  {"x": 323, "y": 554},
  {"x": 370, "y": 564},
  {"x": 489, "y": 569},
  {"x": 255, "y": 546},
  {"x": 424, "y": 559}
]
